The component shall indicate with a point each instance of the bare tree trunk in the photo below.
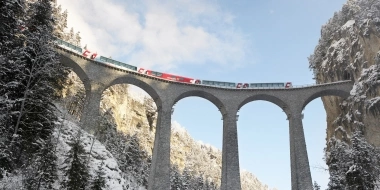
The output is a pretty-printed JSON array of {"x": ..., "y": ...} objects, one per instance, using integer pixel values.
[{"x": 22, "y": 107}]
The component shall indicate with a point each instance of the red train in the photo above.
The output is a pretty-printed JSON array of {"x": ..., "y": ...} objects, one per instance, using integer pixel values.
[
  {"x": 177, "y": 78},
  {"x": 167, "y": 76}
]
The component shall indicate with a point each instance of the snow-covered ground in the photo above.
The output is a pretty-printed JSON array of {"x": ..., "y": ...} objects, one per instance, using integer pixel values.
[{"x": 115, "y": 178}]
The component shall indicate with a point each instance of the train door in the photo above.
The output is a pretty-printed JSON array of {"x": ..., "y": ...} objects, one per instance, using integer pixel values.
[{"x": 288, "y": 85}]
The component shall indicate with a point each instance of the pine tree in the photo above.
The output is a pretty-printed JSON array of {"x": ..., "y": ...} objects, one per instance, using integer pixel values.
[
  {"x": 11, "y": 18},
  {"x": 76, "y": 172},
  {"x": 29, "y": 72},
  {"x": 316, "y": 186},
  {"x": 364, "y": 168},
  {"x": 175, "y": 181},
  {"x": 353, "y": 167},
  {"x": 42, "y": 172},
  {"x": 77, "y": 39},
  {"x": 186, "y": 179},
  {"x": 99, "y": 181},
  {"x": 337, "y": 161}
]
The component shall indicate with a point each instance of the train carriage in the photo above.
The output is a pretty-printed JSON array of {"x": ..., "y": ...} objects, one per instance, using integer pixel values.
[
  {"x": 219, "y": 84},
  {"x": 118, "y": 63},
  {"x": 167, "y": 76}
]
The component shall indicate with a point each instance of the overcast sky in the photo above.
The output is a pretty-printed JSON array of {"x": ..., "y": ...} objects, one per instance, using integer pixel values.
[{"x": 225, "y": 40}]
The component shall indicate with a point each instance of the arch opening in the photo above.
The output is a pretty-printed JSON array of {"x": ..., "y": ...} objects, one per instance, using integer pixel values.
[
  {"x": 127, "y": 123},
  {"x": 68, "y": 62},
  {"x": 141, "y": 85},
  {"x": 205, "y": 95},
  {"x": 328, "y": 92},
  {"x": 315, "y": 133},
  {"x": 263, "y": 136},
  {"x": 265, "y": 97},
  {"x": 73, "y": 95},
  {"x": 196, "y": 142}
]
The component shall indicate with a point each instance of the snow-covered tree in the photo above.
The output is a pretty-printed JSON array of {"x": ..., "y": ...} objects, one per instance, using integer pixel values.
[
  {"x": 99, "y": 182},
  {"x": 364, "y": 165},
  {"x": 337, "y": 161},
  {"x": 354, "y": 166},
  {"x": 29, "y": 72},
  {"x": 316, "y": 186},
  {"x": 76, "y": 171},
  {"x": 11, "y": 17},
  {"x": 42, "y": 171},
  {"x": 175, "y": 178}
]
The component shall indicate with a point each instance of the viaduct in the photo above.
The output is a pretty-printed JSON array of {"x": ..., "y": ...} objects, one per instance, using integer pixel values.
[{"x": 97, "y": 77}]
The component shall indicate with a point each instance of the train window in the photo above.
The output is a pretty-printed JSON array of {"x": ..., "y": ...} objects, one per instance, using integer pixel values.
[
  {"x": 270, "y": 85},
  {"x": 281, "y": 85},
  {"x": 181, "y": 79},
  {"x": 264, "y": 85}
]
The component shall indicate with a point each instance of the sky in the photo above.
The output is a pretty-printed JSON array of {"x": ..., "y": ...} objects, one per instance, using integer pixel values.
[{"x": 232, "y": 41}]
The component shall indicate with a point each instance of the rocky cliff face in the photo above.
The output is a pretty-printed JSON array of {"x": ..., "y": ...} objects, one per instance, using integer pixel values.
[
  {"x": 349, "y": 48},
  {"x": 135, "y": 115}
]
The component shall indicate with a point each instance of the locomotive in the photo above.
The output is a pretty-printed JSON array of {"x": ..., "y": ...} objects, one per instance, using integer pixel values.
[{"x": 114, "y": 63}]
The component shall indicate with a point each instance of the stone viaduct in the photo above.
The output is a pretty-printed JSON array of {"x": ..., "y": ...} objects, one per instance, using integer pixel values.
[{"x": 97, "y": 77}]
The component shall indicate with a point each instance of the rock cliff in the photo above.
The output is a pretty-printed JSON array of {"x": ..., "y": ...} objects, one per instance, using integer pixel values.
[{"x": 349, "y": 49}]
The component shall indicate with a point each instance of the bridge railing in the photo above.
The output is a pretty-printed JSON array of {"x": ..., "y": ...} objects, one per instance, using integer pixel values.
[{"x": 316, "y": 84}]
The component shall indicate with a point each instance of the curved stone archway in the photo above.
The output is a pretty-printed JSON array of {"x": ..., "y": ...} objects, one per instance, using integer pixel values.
[
  {"x": 265, "y": 97},
  {"x": 202, "y": 94},
  {"x": 68, "y": 62},
  {"x": 139, "y": 83},
  {"x": 326, "y": 92}
]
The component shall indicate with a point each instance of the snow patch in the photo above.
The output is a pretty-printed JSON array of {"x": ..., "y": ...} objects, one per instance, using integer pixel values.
[
  {"x": 137, "y": 93},
  {"x": 348, "y": 24},
  {"x": 113, "y": 174},
  {"x": 339, "y": 43},
  {"x": 177, "y": 128},
  {"x": 340, "y": 128},
  {"x": 324, "y": 63}
]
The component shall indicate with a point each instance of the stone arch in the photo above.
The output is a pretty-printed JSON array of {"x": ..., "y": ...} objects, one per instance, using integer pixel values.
[
  {"x": 68, "y": 62},
  {"x": 327, "y": 92},
  {"x": 270, "y": 98},
  {"x": 139, "y": 83},
  {"x": 202, "y": 94}
]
